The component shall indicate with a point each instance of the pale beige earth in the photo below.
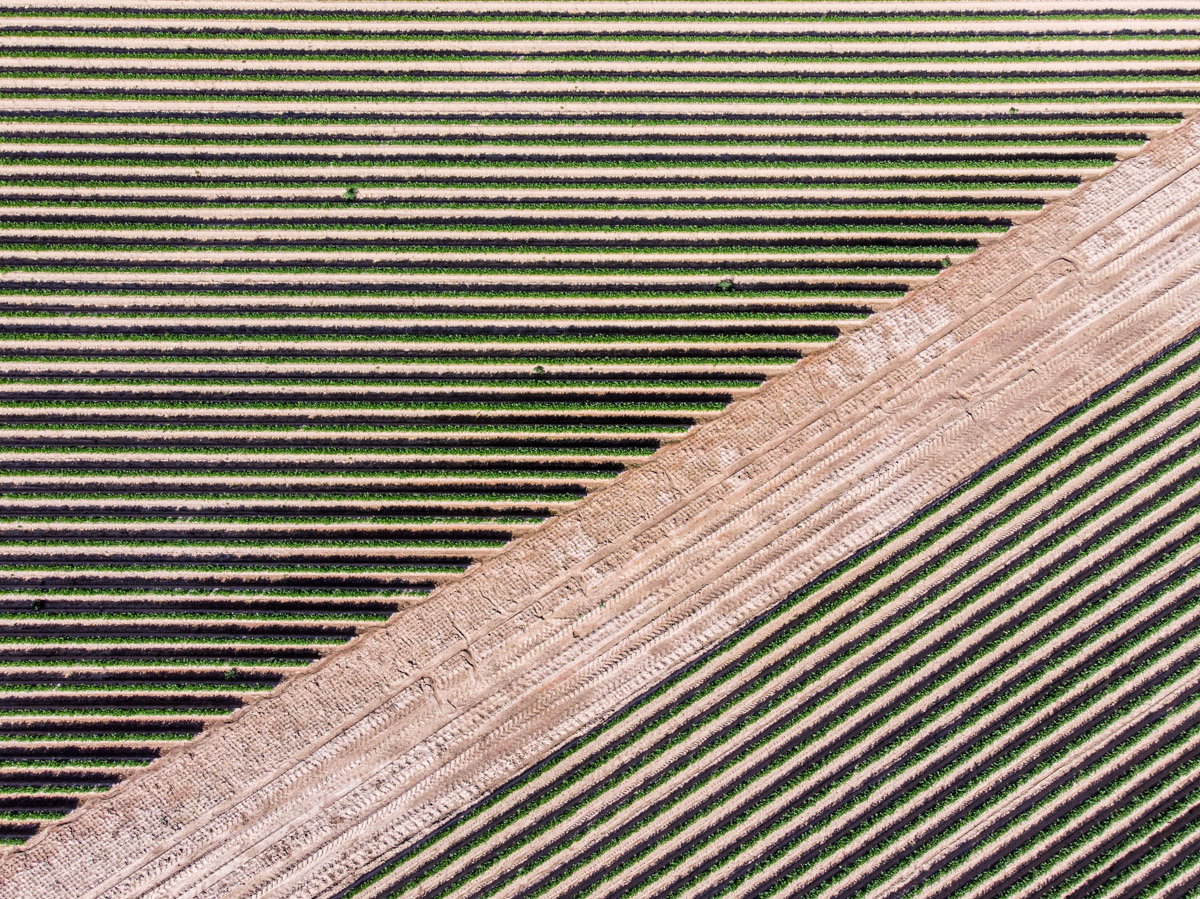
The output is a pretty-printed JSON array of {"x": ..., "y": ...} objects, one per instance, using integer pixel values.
[{"x": 299, "y": 792}]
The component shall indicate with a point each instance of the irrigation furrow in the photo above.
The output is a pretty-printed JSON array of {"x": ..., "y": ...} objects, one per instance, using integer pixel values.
[{"x": 1149, "y": 779}]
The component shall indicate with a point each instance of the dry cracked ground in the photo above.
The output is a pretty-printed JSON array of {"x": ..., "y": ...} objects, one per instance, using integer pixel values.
[{"x": 606, "y": 448}]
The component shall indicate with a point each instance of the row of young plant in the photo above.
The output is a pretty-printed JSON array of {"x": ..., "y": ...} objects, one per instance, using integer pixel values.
[
  {"x": 849, "y": 12},
  {"x": 446, "y": 224},
  {"x": 311, "y": 336},
  {"x": 1126, "y": 625},
  {"x": 1024, "y": 473},
  {"x": 1083, "y": 815},
  {"x": 121, "y": 135},
  {"x": 114, "y": 371},
  {"x": 166, "y": 626},
  {"x": 72, "y": 729},
  {"x": 186, "y": 463},
  {"x": 664, "y": 72},
  {"x": 918, "y": 183},
  {"x": 512, "y": 161},
  {"x": 118, "y": 701},
  {"x": 664, "y": 116},
  {"x": 692, "y": 290},
  {"x": 82, "y": 439},
  {"x": 636, "y": 89},
  {"x": 335, "y": 24},
  {"x": 349, "y": 427},
  {"x": 633, "y": 51},
  {"x": 138, "y": 653},
  {"x": 264, "y": 539}
]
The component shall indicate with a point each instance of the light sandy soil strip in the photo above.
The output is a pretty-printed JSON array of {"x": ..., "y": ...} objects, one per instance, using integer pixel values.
[
  {"x": 910, "y": 195},
  {"x": 1021, "y": 28},
  {"x": 483, "y": 238},
  {"x": 665, "y": 7},
  {"x": 542, "y": 174},
  {"x": 1145, "y": 42},
  {"x": 1147, "y": 102},
  {"x": 940, "y": 91},
  {"x": 672, "y": 70},
  {"x": 578, "y": 153},
  {"x": 413, "y": 218},
  {"x": 484, "y": 131}
]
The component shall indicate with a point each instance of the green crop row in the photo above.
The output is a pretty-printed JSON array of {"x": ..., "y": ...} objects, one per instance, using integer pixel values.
[
  {"x": 111, "y": 712},
  {"x": 233, "y": 447},
  {"x": 319, "y": 429},
  {"x": 229, "y": 93},
  {"x": 130, "y": 687},
  {"x": 466, "y": 36},
  {"x": 14, "y": 469},
  {"x": 1114, "y": 52},
  {"x": 200, "y": 223},
  {"x": 13, "y": 15},
  {"x": 1091, "y": 802},
  {"x": 8, "y": 664},
  {"x": 133, "y": 540},
  {"x": 51, "y": 764},
  {"x": 97, "y": 737},
  {"x": 665, "y": 76},
  {"x": 283, "y": 380},
  {"x": 396, "y": 495},
  {"x": 247, "y": 639},
  {"x": 437, "y": 232},
  {"x": 1023, "y": 141}
]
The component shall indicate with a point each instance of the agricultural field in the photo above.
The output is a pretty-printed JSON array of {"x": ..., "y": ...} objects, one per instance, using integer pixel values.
[
  {"x": 1020, "y": 658},
  {"x": 307, "y": 307},
  {"x": 918, "y": 618}
]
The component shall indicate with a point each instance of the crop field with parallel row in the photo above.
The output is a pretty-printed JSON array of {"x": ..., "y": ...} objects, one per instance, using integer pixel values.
[
  {"x": 307, "y": 306},
  {"x": 999, "y": 698}
]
